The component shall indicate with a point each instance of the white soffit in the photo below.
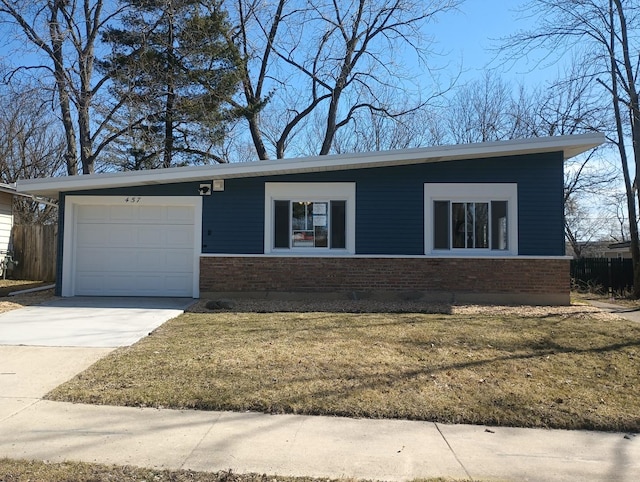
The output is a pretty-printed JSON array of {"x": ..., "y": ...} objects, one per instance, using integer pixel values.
[{"x": 570, "y": 145}]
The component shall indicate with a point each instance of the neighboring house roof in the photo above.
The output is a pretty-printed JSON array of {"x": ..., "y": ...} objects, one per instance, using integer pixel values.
[
  {"x": 570, "y": 145},
  {"x": 11, "y": 189},
  {"x": 620, "y": 245}
]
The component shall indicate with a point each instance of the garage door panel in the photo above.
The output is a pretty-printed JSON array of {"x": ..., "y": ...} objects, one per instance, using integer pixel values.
[
  {"x": 162, "y": 260},
  {"x": 88, "y": 259},
  {"x": 91, "y": 283},
  {"x": 99, "y": 284},
  {"x": 92, "y": 213},
  {"x": 118, "y": 236},
  {"x": 134, "y": 250},
  {"x": 152, "y": 214},
  {"x": 152, "y": 236},
  {"x": 90, "y": 235},
  {"x": 180, "y": 215},
  {"x": 121, "y": 214},
  {"x": 105, "y": 235},
  {"x": 114, "y": 260},
  {"x": 178, "y": 237}
]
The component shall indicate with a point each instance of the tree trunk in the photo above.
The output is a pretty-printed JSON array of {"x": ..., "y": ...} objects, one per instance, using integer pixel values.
[
  {"x": 171, "y": 96},
  {"x": 634, "y": 107},
  {"x": 71, "y": 152}
]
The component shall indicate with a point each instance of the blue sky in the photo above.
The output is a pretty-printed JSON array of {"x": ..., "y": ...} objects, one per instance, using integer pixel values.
[
  {"x": 466, "y": 38},
  {"x": 469, "y": 36}
]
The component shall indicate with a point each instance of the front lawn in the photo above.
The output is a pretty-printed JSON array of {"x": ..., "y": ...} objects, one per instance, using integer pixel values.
[{"x": 534, "y": 368}]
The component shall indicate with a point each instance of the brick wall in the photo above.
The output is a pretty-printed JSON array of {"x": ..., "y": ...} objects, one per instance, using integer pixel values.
[{"x": 518, "y": 279}]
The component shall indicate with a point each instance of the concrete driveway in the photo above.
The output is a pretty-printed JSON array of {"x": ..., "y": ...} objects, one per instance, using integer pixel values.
[{"x": 90, "y": 322}]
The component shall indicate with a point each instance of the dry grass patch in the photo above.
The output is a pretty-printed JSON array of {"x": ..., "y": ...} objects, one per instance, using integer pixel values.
[
  {"x": 29, "y": 471},
  {"x": 29, "y": 299},
  {"x": 572, "y": 369}
]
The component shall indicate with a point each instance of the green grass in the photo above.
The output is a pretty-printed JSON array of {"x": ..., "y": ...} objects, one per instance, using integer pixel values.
[{"x": 571, "y": 372}]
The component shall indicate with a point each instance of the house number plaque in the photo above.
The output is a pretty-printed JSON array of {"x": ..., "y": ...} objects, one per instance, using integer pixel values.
[{"x": 132, "y": 199}]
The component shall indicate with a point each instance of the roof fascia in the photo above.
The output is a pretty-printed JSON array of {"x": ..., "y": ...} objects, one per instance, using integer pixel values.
[{"x": 569, "y": 145}]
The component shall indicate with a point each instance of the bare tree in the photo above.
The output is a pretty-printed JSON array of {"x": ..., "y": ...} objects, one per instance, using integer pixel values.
[
  {"x": 605, "y": 33},
  {"x": 323, "y": 59},
  {"x": 31, "y": 146},
  {"x": 371, "y": 130},
  {"x": 482, "y": 111},
  {"x": 65, "y": 35},
  {"x": 616, "y": 214}
]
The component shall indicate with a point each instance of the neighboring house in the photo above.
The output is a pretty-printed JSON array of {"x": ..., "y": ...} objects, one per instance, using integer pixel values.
[
  {"x": 590, "y": 249},
  {"x": 7, "y": 192},
  {"x": 479, "y": 222},
  {"x": 621, "y": 250}
]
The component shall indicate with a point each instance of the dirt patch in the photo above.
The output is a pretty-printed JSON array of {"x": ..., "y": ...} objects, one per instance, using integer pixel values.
[
  {"x": 8, "y": 303},
  {"x": 368, "y": 306}
]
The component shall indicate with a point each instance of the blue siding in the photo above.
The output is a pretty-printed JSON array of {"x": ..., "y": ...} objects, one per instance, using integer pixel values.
[
  {"x": 233, "y": 219},
  {"x": 389, "y": 203}
]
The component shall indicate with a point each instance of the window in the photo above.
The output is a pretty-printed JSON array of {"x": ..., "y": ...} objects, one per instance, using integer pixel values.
[
  {"x": 471, "y": 219},
  {"x": 309, "y": 224},
  {"x": 470, "y": 225},
  {"x": 310, "y": 218}
]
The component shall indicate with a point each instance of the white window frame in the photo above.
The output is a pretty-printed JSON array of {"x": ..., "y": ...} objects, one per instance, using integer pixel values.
[
  {"x": 471, "y": 192},
  {"x": 315, "y": 192}
]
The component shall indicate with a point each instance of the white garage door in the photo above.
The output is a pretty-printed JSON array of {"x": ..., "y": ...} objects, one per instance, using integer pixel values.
[{"x": 134, "y": 250}]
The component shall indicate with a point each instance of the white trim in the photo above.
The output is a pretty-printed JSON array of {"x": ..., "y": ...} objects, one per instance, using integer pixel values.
[
  {"x": 385, "y": 256},
  {"x": 312, "y": 191},
  {"x": 68, "y": 287},
  {"x": 570, "y": 146},
  {"x": 471, "y": 192}
]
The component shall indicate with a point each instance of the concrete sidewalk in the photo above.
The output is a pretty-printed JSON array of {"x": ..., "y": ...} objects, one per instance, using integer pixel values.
[
  {"x": 391, "y": 450},
  {"x": 628, "y": 313},
  {"x": 312, "y": 446}
]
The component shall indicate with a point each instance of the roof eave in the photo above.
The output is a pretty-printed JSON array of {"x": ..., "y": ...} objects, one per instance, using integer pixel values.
[{"x": 571, "y": 146}]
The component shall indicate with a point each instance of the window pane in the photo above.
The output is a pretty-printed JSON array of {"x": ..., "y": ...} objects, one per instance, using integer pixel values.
[
  {"x": 469, "y": 225},
  {"x": 281, "y": 224},
  {"x": 499, "y": 237},
  {"x": 481, "y": 225},
  {"x": 338, "y": 224},
  {"x": 321, "y": 237},
  {"x": 302, "y": 224},
  {"x": 320, "y": 225},
  {"x": 458, "y": 224},
  {"x": 441, "y": 224}
]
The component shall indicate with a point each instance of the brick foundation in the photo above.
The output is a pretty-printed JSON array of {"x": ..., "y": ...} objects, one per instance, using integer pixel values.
[{"x": 477, "y": 280}]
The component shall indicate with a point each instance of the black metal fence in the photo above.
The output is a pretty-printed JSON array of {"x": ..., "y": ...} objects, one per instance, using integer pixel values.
[{"x": 602, "y": 274}]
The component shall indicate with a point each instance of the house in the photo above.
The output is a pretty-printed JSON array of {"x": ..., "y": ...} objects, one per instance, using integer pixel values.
[
  {"x": 7, "y": 191},
  {"x": 621, "y": 250},
  {"x": 479, "y": 222}
]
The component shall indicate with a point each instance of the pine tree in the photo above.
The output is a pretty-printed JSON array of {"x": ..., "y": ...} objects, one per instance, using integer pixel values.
[{"x": 174, "y": 70}]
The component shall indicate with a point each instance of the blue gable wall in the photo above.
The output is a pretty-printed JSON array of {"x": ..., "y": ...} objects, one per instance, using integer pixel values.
[{"x": 390, "y": 204}]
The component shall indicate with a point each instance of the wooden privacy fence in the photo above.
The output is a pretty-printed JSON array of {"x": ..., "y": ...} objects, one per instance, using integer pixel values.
[
  {"x": 602, "y": 273},
  {"x": 35, "y": 248}
]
